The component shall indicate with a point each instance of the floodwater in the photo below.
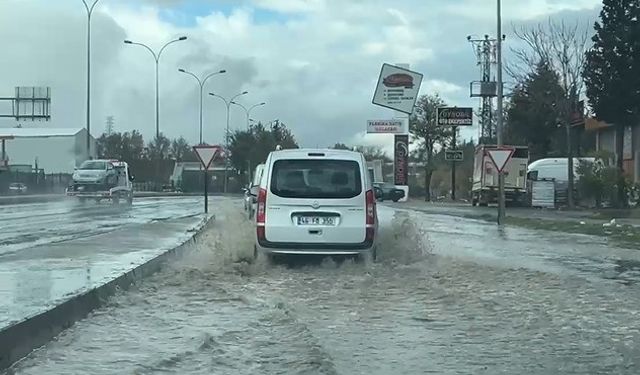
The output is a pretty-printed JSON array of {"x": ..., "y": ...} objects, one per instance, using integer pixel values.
[{"x": 448, "y": 296}]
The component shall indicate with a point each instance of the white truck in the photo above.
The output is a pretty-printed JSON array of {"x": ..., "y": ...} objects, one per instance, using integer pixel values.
[
  {"x": 485, "y": 177},
  {"x": 102, "y": 179}
]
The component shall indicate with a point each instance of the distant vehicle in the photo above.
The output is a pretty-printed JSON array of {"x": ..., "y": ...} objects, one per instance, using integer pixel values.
[
  {"x": 485, "y": 177},
  {"x": 17, "y": 188},
  {"x": 313, "y": 201},
  {"x": 389, "y": 192},
  {"x": 398, "y": 80},
  {"x": 556, "y": 169},
  {"x": 102, "y": 180},
  {"x": 251, "y": 191}
]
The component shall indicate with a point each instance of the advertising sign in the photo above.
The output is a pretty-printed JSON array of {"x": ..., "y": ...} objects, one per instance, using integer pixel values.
[
  {"x": 396, "y": 126},
  {"x": 401, "y": 159},
  {"x": 454, "y": 116},
  {"x": 397, "y": 88}
]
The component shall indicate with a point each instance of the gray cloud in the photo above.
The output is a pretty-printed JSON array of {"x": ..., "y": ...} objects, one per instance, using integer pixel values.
[{"x": 317, "y": 71}]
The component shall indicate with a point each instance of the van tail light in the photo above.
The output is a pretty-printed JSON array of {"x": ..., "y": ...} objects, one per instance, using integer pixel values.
[
  {"x": 261, "y": 213},
  {"x": 371, "y": 214}
]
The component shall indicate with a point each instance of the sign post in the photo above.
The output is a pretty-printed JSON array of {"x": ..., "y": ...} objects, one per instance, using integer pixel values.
[
  {"x": 454, "y": 117},
  {"x": 397, "y": 88},
  {"x": 206, "y": 154}
]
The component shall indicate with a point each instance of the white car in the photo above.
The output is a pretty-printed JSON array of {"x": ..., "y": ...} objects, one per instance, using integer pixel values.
[{"x": 313, "y": 201}]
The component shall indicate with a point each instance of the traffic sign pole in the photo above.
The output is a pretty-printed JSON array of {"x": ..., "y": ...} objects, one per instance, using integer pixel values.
[
  {"x": 501, "y": 203},
  {"x": 206, "y": 154},
  {"x": 453, "y": 164}
]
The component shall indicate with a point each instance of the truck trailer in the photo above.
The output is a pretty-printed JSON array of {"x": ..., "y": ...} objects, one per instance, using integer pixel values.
[{"x": 484, "y": 190}]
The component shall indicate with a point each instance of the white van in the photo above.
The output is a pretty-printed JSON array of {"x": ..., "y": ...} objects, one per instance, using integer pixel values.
[
  {"x": 314, "y": 201},
  {"x": 554, "y": 168}
]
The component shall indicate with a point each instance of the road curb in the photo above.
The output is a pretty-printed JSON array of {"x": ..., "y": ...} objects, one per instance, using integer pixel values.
[{"x": 20, "y": 339}]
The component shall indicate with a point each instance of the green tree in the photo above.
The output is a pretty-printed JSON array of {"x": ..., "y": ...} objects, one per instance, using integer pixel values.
[
  {"x": 159, "y": 148},
  {"x": 427, "y": 135},
  {"x": 612, "y": 72},
  {"x": 126, "y": 146},
  {"x": 251, "y": 147},
  {"x": 532, "y": 112},
  {"x": 341, "y": 146},
  {"x": 181, "y": 150}
]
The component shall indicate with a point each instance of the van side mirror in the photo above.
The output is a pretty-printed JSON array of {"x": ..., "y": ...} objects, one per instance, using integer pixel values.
[
  {"x": 131, "y": 178},
  {"x": 254, "y": 190},
  {"x": 532, "y": 175}
]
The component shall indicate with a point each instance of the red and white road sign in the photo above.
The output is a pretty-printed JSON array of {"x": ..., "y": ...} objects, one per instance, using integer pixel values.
[
  {"x": 500, "y": 156},
  {"x": 206, "y": 154}
]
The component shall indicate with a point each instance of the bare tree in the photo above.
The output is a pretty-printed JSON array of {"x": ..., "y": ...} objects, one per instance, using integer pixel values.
[
  {"x": 427, "y": 136},
  {"x": 563, "y": 48}
]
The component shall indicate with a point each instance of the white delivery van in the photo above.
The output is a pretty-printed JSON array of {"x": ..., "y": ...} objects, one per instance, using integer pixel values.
[
  {"x": 554, "y": 168},
  {"x": 316, "y": 201},
  {"x": 485, "y": 177}
]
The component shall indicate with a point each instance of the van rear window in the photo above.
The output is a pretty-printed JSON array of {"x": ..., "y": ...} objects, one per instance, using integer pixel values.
[{"x": 316, "y": 178}]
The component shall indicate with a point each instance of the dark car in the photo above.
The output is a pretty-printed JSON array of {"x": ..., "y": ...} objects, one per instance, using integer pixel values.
[
  {"x": 398, "y": 80},
  {"x": 389, "y": 192}
]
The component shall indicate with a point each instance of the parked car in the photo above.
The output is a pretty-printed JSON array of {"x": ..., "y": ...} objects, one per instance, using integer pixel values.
[
  {"x": 17, "y": 188},
  {"x": 250, "y": 192},
  {"x": 389, "y": 192},
  {"x": 312, "y": 201}
]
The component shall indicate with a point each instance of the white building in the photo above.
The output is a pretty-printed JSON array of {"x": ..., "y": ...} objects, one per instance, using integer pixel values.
[{"x": 54, "y": 150}]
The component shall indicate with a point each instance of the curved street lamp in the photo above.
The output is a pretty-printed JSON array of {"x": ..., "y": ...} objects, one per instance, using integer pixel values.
[
  {"x": 156, "y": 57},
  {"x": 201, "y": 83},
  {"x": 226, "y": 135},
  {"x": 248, "y": 110}
]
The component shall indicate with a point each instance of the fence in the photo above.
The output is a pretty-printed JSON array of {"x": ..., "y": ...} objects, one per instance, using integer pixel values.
[{"x": 36, "y": 182}]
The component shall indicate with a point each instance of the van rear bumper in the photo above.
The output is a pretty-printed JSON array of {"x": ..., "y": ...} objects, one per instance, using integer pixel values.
[{"x": 314, "y": 248}]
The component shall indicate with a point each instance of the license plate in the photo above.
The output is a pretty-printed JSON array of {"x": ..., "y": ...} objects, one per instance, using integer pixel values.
[{"x": 316, "y": 220}]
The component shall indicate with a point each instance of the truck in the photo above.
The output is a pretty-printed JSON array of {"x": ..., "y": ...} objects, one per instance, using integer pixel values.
[
  {"x": 102, "y": 179},
  {"x": 484, "y": 188}
]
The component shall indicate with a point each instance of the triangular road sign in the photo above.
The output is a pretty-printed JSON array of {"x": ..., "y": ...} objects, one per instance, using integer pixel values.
[
  {"x": 500, "y": 156},
  {"x": 206, "y": 153}
]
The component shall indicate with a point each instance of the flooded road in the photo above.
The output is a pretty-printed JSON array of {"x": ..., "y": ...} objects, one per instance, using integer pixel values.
[{"x": 448, "y": 296}]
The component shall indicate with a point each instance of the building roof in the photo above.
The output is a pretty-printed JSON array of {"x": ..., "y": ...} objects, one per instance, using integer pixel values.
[{"x": 39, "y": 132}]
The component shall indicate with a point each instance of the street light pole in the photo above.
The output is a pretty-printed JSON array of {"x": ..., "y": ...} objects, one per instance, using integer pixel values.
[
  {"x": 89, "y": 9},
  {"x": 156, "y": 58},
  {"x": 226, "y": 136},
  {"x": 499, "y": 126},
  {"x": 201, "y": 83},
  {"x": 248, "y": 111}
]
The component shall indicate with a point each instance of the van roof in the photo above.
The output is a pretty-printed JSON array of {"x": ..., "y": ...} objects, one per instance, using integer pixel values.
[{"x": 305, "y": 153}]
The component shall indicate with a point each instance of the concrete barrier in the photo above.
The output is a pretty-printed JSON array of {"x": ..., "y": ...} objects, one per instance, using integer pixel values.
[
  {"x": 26, "y": 199},
  {"x": 21, "y": 338}
]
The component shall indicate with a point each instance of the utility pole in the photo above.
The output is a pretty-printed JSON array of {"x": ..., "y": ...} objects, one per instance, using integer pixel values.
[
  {"x": 453, "y": 164},
  {"x": 485, "y": 50},
  {"x": 109, "y": 127},
  {"x": 501, "y": 202},
  {"x": 89, "y": 9}
]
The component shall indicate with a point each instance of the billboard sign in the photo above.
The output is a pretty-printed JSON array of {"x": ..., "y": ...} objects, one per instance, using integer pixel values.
[
  {"x": 401, "y": 160},
  {"x": 396, "y": 126},
  {"x": 397, "y": 88},
  {"x": 455, "y": 116}
]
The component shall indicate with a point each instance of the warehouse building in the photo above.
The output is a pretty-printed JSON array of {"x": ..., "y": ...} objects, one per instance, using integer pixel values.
[{"x": 48, "y": 149}]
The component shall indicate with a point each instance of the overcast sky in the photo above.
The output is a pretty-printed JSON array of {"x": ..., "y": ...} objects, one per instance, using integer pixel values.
[{"x": 315, "y": 62}]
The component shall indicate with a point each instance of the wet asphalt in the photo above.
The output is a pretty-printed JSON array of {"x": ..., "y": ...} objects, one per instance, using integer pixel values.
[{"x": 449, "y": 295}]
